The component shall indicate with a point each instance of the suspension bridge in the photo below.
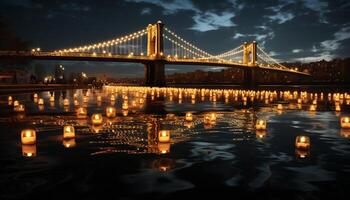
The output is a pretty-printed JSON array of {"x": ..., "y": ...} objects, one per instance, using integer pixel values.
[{"x": 156, "y": 46}]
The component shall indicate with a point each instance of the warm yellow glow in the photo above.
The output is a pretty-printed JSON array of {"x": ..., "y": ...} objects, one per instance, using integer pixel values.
[
  {"x": 260, "y": 124},
  {"x": 52, "y": 99},
  {"x": 125, "y": 105},
  {"x": 9, "y": 98},
  {"x": 66, "y": 102},
  {"x": 279, "y": 107},
  {"x": 302, "y": 142},
  {"x": 111, "y": 112},
  {"x": 28, "y": 136},
  {"x": 41, "y": 101},
  {"x": 189, "y": 116},
  {"x": 345, "y": 122},
  {"x": 68, "y": 132},
  {"x": 164, "y": 136},
  {"x": 81, "y": 113},
  {"x": 97, "y": 119},
  {"x": 15, "y": 103}
]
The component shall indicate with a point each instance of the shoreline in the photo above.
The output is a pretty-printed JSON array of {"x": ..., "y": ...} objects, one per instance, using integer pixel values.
[{"x": 18, "y": 88}]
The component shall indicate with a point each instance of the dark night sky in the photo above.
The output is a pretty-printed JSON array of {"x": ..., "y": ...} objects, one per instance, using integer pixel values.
[{"x": 305, "y": 30}]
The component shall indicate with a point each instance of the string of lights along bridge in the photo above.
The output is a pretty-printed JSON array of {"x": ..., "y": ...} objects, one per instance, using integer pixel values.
[{"x": 156, "y": 46}]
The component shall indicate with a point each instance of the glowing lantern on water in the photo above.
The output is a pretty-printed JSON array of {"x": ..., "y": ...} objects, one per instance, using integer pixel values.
[
  {"x": 97, "y": 119},
  {"x": 20, "y": 108},
  {"x": 28, "y": 136},
  {"x": 210, "y": 118},
  {"x": 312, "y": 107},
  {"x": 52, "y": 99},
  {"x": 337, "y": 108},
  {"x": 260, "y": 124},
  {"x": 164, "y": 136},
  {"x": 189, "y": 116},
  {"x": 345, "y": 122},
  {"x": 81, "y": 113},
  {"x": 111, "y": 112},
  {"x": 68, "y": 132},
  {"x": 125, "y": 105},
  {"x": 125, "y": 113},
  {"x": 279, "y": 106},
  {"x": 112, "y": 98},
  {"x": 66, "y": 102},
  {"x": 28, "y": 150},
  {"x": 76, "y": 102},
  {"x": 314, "y": 102},
  {"x": 299, "y": 101},
  {"x": 345, "y": 132},
  {"x": 302, "y": 142},
  {"x": 69, "y": 143},
  {"x": 99, "y": 98},
  {"x": 15, "y": 103},
  {"x": 164, "y": 148},
  {"x": 41, "y": 101},
  {"x": 9, "y": 98},
  {"x": 35, "y": 96},
  {"x": 85, "y": 99}
]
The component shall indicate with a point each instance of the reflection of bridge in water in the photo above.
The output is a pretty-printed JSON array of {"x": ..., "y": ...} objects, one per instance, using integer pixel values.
[{"x": 163, "y": 47}]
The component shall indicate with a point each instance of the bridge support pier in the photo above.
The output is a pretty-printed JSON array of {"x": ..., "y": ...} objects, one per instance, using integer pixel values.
[
  {"x": 249, "y": 78},
  {"x": 154, "y": 74}
]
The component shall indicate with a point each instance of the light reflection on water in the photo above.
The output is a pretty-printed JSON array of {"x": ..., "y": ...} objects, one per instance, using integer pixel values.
[{"x": 227, "y": 150}]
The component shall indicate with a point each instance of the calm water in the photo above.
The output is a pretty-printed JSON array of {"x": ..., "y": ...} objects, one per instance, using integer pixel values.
[{"x": 123, "y": 159}]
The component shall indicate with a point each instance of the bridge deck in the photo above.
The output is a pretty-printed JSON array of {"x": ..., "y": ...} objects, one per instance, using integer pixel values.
[{"x": 104, "y": 57}]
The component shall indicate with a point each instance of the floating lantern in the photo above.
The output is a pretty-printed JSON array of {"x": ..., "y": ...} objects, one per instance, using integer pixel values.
[
  {"x": 68, "y": 132},
  {"x": 52, "y": 99},
  {"x": 81, "y": 113},
  {"x": 302, "y": 142},
  {"x": 314, "y": 102},
  {"x": 66, "y": 102},
  {"x": 279, "y": 106},
  {"x": 28, "y": 150},
  {"x": 111, "y": 112},
  {"x": 210, "y": 118},
  {"x": 41, "y": 101},
  {"x": 337, "y": 108},
  {"x": 125, "y": 113},
  {"x": 345, "y": 122},
  {"x": 85, "y": 99},
  {"x": 125, "y": 105},
  {"x": 112, "y": 98},
  {"x": 164, "y": 148},
  {"x": 260, "y": 124},
  {"x": 99, "y": 98},
  {"x": 35, "y": 95},
  {"x": 345, "y": 133},
  {"x": 15, "y": 103},
  {"x": 299, "y": 101},
  {"x": 9, "y": 98},
  {"x": 20, "y": 108},
  {"x": 28, "y": 136},
  {"x": 97, "y": 119},
  {"x": 189, "y": 116},
  {"x": 75, "y": 95},
  {"x": 69, "y": 143},
  {"x": 164, "y": 136},
  {"x": 76, "y": 102},
  {"x": 312, "y": 107}
]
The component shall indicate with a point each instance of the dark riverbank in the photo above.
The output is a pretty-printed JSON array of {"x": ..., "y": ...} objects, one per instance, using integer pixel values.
[{"x": 18, "y": 88}]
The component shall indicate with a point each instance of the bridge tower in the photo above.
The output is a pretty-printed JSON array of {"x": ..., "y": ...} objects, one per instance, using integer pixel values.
[
  {"x": 154, "y": 70},
  {"x": 249, "y": 59}
]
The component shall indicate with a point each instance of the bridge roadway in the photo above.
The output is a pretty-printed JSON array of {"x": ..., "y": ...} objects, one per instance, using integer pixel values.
[{"x": 105, "y": 57}]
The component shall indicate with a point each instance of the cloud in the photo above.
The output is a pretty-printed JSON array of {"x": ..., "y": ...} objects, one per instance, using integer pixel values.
[
  {"x": 170, "y": 7},
  {"x": 297, "y": 50},
  {"x": 327, "y": 48},
  {"x": 146, "y": 11},
  {"x": 281, "y": 18},
  {"x": 315, "y": 5},
  {"x": 211, "y": 21}
]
